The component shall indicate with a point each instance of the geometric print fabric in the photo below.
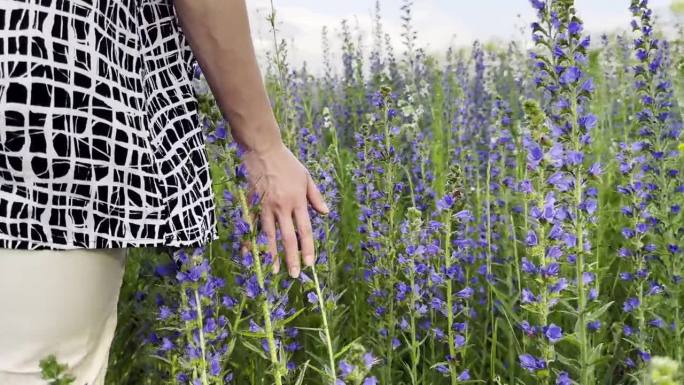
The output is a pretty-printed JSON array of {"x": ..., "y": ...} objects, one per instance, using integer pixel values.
[{"x": 100, "y": 140}]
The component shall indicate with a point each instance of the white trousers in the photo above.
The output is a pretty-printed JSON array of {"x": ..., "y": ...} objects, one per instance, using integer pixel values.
[{"x": 61, "y": 302}]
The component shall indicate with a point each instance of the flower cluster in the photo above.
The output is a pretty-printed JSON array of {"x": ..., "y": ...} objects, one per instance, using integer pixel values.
[
  {"x": 649, "y": 163},
  {"x": 563, "y": 201},
  {"x": 197, "y": 342}
]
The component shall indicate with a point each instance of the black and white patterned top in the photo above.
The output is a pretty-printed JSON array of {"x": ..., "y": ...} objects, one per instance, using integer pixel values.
[{"x": 101, "y": 145}]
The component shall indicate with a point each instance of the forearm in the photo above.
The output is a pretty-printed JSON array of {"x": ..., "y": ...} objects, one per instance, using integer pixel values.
[{"x": 218, "y": 33}]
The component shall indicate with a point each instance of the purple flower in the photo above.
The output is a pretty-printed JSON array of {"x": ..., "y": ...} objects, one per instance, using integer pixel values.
[
  {"x": 574, "y": 28},
  {"x": 590, "y": 206},
  {"x": 465, "y": 293},
  {"x": 531, "y": 363},
  {"x": 166, "y": 345},
  {"x": 345, "y": 368},
  {"x": 588, "y": 122},
  {"x": 528, "y": 329},
  {"x": 538, "y": 4},
  {"x": 561, "y": 181},
  {"x": 551, "y": 270},
  {"x": 229, "y": 302},
  {"x": 574, "y": 158},
  {"x": 594, "y": 325},
  {"x": 631, "y": 304},
  {"x": 188, "y": 315},
  {"x": 628, "y": 233},
  {"x": 526, "y": 187},
  {"x": 534, "y": 155},
  {"x": 559, "y": 286},
  {"x": 459, "y": 341},
  {"x": 563, "y": 379},
  {"x": 641, "y": 228},
  {"x": 627, "y": 330},
  {"x": 528, "y": 296},
  {"x": 588, "y": 85},
  {"x": 464, "y": 376},
  {"x": 445, "y": 203},
  {"x": 164, "y": 313},
  {"x": 657, "y": 323},
  {"x": 464, "y": 215},
  {"x": 221, "y": 130},
  {"x": 630, "y": 363},
  {"x": 555, "y": 155},
  {"x": 528, "y": 267},
  {"x": 593, "y": 294},
  {"x": 571, "y": 75},
  {"x": 215, "y": 366},
  {"x": 554, "y": 333},
  {"x": 655, "y": 289},
  {"x": 369, "y": 360}
]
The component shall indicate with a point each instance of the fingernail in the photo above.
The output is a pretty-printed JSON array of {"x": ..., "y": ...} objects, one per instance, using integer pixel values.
[
  {"x": 309, "y": 260},
  {"x": 294, "y": 271},
  {"x": 326, "y": 208}
]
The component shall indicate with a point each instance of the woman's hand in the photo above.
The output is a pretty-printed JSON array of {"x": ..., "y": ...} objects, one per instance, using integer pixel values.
[
  {"x": 219, "y": 35},
  {"x": 285, "y": 188}
]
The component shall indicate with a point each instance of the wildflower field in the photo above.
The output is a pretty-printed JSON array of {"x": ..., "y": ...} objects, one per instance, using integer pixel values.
[{"x": 503, "y": 214}]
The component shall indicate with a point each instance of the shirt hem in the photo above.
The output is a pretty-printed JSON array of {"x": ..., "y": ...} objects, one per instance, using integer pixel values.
[{"x": 31, "y": 244}]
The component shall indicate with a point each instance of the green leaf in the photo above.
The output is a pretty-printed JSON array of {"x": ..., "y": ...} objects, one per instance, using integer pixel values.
[
  {"x": 596, "y": 314},
  {"x": 252, "y": 334},
  {"x": 289, "y": 319},
  {"x": 260, "y": 352},
  {"x": 302, "y": 372},
  {"x": 345, "y": 348}
]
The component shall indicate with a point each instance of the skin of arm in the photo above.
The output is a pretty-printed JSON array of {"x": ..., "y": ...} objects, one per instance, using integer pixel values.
[{"x": 219, "y": 35}]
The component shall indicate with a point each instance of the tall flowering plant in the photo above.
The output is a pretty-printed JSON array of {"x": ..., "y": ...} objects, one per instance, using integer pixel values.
[
  {"x": 453, "y": 293},
  {"x": 656, "y": 192},
  {"x": 194, "y": 336},
  {"x": 563, "y": 198},
  {"x": 499, "y": 190},
  {"x": 542, "y": 285},
  {"x": 378, "y": 191}
]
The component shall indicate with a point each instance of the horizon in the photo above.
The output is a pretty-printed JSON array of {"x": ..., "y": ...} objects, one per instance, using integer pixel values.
[{"x": 439, "y": 23}]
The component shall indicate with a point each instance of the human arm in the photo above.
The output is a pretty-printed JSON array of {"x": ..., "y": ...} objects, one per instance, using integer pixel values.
[{"x": 219, "y": 36}]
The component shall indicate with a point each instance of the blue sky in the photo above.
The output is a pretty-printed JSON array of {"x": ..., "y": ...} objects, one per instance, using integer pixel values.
[{"x": 439, "y": 23}]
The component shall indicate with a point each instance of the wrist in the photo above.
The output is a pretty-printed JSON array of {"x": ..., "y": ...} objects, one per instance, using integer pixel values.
[
  {"x": 259, "y": 138},
  {"x": 264, "y": 146}
]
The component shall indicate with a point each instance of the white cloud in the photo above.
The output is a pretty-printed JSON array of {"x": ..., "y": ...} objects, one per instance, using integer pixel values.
[
  {"x": 439, "y": 23},
  {"x": 302, "y": 26}
]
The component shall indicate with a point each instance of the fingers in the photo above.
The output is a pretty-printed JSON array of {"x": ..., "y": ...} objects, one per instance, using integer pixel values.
[
  {"x": 277, "y": 210},
  {"x": 314, "y": 196},
  {"x": 305, "y": 235},
  {"x": 289, "y": 238},
  {"x": 269, "y": 229},
  {"x": 252, "y": 201}
]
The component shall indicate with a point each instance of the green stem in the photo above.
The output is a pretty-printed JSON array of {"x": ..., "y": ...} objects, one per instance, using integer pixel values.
[
  {"x": 585, "y": 370},
  {"x": 490, "y": 294},
  {"x": 326, "y": 328},
  {"x": 265, "y": 306},
  {"x": 200, "y": 319},
  {"x": 414, "y": 343},
  {"x": 449, "y": 299}
]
